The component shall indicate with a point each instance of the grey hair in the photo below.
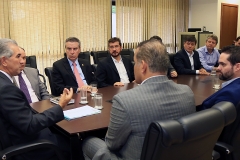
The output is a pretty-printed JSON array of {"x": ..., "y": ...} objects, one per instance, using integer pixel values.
[
  {"x": 5, "y": 50},
  {"x": 154, "y": 54},
  {"x": 73, "y": 39}
]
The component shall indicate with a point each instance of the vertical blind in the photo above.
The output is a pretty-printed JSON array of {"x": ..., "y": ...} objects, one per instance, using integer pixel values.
[
  {"x": 41, "y": 26},
  {"x": 138, "y": 20}
]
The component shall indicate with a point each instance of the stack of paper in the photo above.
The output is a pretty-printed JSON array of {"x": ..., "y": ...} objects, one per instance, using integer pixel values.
[{"x": 80, "y": 112}]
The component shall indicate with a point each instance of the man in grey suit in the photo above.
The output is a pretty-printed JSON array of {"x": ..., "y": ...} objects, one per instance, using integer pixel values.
[
  {"x": 36, "y": 88},
  {"x": 156, "y": 98}
]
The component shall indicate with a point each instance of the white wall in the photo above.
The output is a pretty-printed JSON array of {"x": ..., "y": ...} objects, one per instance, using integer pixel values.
[
  {"x": 203, "y": 13},
  {"x": 208, "y": 13}
]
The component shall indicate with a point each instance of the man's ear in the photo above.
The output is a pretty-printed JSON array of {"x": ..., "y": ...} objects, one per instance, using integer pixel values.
[
  {"x": 237, "y": 67},
  {"x": 144, "y": 66},
  {"x": 3, "y": 61}
]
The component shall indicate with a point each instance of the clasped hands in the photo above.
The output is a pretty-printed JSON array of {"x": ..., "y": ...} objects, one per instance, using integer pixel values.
[{"x": 202, "y": 71}]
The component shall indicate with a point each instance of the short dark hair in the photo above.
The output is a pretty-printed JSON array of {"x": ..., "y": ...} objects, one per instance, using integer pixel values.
[
  {"x": 237, "y": 38},
  {"x": 157, "y": 38},
  {"x": 190, "y": 39},
  {"x": 234, "y": 53},
  {"x": 114, "y": 39},
  {"x": 73, "y": 39},
  {"x": 154, "y": 54}
]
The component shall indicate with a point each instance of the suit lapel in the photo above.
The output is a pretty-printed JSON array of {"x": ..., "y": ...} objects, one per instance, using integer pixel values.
[
  {"x": 68, "y": 68},
  {"x": 111, "y": 64},
  {"x": 5, "y": 78},
  {"x": 31, "y": 79},
  {"x": 187, "y": 58},
  {"x": 83, "y": 68}
]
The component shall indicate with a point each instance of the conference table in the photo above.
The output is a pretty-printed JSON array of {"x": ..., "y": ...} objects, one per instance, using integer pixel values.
[{"x": 202, "y": 87}]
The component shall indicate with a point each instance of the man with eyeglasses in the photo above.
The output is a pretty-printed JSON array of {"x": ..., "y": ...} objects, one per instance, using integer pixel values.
[
  {"x": 115, "y": 69},
  {"x": 208, "y": 54}
]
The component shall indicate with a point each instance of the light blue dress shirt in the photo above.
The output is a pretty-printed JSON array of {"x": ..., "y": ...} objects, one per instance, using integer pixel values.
[
  {"x": 79, "y": 70},
  {"x": 208, "y": 60}
]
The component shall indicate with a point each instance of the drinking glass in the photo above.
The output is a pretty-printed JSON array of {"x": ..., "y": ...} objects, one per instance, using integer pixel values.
[
  {"x": 93, "y": 89},
  {"x": 98, "y": 101},
  {"x": 83, "y": 93}
]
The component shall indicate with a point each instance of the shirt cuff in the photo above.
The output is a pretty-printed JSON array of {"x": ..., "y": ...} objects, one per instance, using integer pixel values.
[{"x": 197, "y": 71}]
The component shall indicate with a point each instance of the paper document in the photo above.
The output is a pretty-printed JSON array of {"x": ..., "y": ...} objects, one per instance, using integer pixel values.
[
  {"x": 80, "y": 112},
  {"x": 56, "y": 100}
]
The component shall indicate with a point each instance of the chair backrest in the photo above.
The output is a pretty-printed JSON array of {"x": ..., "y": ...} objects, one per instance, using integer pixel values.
[
  {"x": 191, "y": 137},
  {"x": 171, "y": 58},
  {"x": 99, "y": 55},
  {"x": 48, "y": 72},
  {"x": 31, "y": 61},
  {"x": 83, "y": 55},
  {"x": 231, "y": 135},
  {"x": 128, "y": 53}
]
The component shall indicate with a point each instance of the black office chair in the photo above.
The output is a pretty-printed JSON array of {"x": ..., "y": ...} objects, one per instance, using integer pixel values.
[
  {"x": 8, "y": 151},
  {"x": 228, "y": 144},
  {"x": 84, "y": 55},
  {"x": 48, "y": 72},
  {"x": 171, "y": 58},
  {"x": 191, "y": 137},
  {"x": 31, "y": 61},
  {"x": 99, "y": 55},
  {"x": 128, "y": 53}
]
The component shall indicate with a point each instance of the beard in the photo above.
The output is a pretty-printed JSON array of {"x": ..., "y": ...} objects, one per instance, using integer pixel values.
[
  {"x": 226, "y": 76},
  {"x": 115, "y": 54}
]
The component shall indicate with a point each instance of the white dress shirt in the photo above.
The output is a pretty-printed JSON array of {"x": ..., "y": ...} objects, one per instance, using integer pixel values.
[{"x": 121, "y": 70}]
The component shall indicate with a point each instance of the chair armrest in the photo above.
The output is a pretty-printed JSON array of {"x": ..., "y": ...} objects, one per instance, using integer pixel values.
[
  {"x": 215, "y": 155},
  {"x": 43, "y": 78},
  {"x": 26, "y": 147},
  {"x": 223, "y": 147}
]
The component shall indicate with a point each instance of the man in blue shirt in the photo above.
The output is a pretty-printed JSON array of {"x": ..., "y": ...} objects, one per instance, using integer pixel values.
[{"x": 208, "y": 54}]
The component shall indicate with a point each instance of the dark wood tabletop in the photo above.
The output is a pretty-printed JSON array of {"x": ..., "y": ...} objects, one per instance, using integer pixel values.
[{"x": 202, "y": 87}]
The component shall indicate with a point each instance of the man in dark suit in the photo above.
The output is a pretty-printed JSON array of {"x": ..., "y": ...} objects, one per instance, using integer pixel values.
[
  {"x": 115, "y": 69},
  {"x": 35, "y": 87},
  {"x": 229, "y": 71},
  {"x": 156, "y": 98},
  {"x": 20, "y": 121},
  {"x": 187, "y": 60},
  {"x": 64, "y": 75}
]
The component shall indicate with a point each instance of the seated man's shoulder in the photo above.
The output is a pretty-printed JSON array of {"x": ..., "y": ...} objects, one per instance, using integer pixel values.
[{"x": 59, "y": 62}]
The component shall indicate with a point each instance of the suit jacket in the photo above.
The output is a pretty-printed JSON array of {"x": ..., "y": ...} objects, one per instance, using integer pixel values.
[
  {"x": 229, "y": 93},
  {"x": 37, "y": 85},
  {"x": 63, "y": 76},
  {"x": 22, "y": 123},
  {"x": 107, "y": 73},
  {"x": 183, "y": 64},
  {"x": 133, "y": 111}
]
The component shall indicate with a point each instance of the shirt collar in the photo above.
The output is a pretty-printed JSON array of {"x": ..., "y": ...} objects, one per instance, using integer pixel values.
[
  {"x": 150, "y": 78},
  {"x": 7, "y": 75},
  {"x": 115, "y": 61},
  {"x": 228, "y": 82},
  {"x": 190, "y": 55}
]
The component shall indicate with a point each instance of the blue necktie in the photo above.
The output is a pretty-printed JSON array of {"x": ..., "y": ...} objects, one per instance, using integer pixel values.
[{"x": 24, "y": 88}]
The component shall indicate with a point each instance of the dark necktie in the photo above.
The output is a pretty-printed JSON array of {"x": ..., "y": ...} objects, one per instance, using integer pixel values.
[{"x": 24, "y": 88}]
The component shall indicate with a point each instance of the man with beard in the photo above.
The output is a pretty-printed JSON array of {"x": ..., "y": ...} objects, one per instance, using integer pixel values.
[
  {"x": 229, "y": 71},
  {"x": 115, "y": 69}
]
